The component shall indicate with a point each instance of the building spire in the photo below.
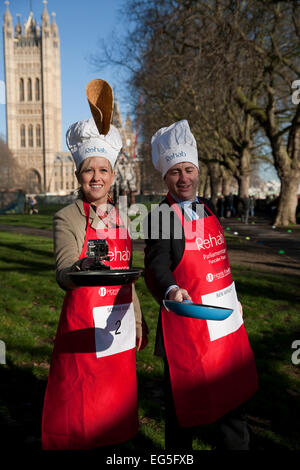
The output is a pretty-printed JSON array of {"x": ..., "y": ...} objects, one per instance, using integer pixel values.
[
  {"x": 45, "y": 14},
  {"x": 18, "y": 26},
  {"x": 54, "y": 27},
  {"x": 30, "y": 27},
  {"x": 7, "y": 15}
]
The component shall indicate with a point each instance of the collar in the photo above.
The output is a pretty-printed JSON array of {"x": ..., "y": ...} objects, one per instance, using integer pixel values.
[
  {"x": 95, "y": 221},
  {"x": 183, "y": 203}
]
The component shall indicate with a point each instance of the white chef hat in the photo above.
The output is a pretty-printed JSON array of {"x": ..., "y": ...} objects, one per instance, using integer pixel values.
[
  {"x": 84, "y": 140},
  {"x": 172, "y": 145}
]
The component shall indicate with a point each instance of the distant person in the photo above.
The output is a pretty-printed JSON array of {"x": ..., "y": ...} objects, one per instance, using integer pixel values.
[
  {"x": 229, "y": 206},
  {"x": 32, "y": 205},
  {"x": 245, "y": 209},
  {"x": 252, "y": 206},
  {"x": 221, "y": 206}
]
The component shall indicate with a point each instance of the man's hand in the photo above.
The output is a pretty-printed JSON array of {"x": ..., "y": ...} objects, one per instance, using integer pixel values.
[{"x": 178, "y": 294}]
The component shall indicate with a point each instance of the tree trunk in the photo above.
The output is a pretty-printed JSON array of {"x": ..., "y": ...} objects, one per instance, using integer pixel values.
[
  {"x": 244, "y": 182},
  {"x": 244, "y": 173},
  {"x": 288, "y": 200},
  {"x": 227, "y": 179},
  {"x": 203, "y": 171}
]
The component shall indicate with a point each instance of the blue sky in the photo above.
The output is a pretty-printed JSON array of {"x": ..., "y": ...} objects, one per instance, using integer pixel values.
[{"x": 82, "y": 25}]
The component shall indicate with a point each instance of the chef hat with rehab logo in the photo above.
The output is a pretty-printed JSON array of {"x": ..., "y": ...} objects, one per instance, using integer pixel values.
[
  {"x": 83, "y": 141},
  {"x": 172, "y": 145}
]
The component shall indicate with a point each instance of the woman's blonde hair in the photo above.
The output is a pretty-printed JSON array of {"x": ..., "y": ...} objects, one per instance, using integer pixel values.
[{"x": 86, "y": 162}]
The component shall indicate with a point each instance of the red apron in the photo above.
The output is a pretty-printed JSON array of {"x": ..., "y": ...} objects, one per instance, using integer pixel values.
[
  {"x": 212, "y": 367},
  {"x": 91, "y": 396}
]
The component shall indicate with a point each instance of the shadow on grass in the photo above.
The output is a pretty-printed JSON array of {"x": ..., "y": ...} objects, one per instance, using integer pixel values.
[
  {"x": 25, "y": 249},
  {"x": 266, "y": 285},
  {"x": 275, "y": 408},
  {"x": 274, "y": 411},
  {"x": 21, "y": 405},
  {"x": 33, "y": 267},
  {"x": 21, "y": 401}
]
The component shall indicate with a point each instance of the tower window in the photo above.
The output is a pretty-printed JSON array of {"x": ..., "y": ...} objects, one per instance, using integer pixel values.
[
  {"x": 29, "y": 90},
  {"x": 37, "y": 89},
  {"x": 38, "y": 136},
  {"x": 21, "y": 85},
  {"x": 23, "y": 136},
  {"x": 30, "y": 135}
]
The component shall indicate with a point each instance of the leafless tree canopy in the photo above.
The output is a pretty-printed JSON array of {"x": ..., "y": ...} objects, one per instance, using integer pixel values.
[{"x": 227, "y": 66}]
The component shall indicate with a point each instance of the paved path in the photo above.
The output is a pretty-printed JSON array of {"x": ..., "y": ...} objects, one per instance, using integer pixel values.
[
  {"x": 270, "y": 248},
  {"x": 265, "y": 247},
  {"x": 261, "y": 232}
]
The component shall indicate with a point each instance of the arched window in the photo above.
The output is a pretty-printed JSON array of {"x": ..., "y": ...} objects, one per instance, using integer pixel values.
[
  {"x": 38, "y": 135},
  {"x": 21, "y": 86},
  {"x": 30, "y": 135},
  {"x": 23, "y": 136},
  {"x": 29, "y": 90},
  {"x": 37, "y": 89}
]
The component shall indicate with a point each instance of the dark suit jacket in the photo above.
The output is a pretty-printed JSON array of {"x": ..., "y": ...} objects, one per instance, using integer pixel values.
[{"x": 164, "y": 249}]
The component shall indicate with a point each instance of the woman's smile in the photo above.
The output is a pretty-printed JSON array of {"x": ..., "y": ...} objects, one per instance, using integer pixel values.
[{"x": 96, "y": 178}]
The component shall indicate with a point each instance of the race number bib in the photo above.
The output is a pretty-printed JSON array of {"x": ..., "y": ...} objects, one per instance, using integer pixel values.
[
  {"x": 114, "y": 329},
  {"x": 226, "y": 298}
]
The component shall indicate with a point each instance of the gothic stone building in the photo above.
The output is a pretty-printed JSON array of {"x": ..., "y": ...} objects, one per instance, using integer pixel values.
[{"x": 33, "y": 102}]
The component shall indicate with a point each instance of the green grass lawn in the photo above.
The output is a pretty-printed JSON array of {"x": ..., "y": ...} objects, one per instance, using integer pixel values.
[
  {"x": 42, "y": 220},
  {"x": 30, "y": 305}
]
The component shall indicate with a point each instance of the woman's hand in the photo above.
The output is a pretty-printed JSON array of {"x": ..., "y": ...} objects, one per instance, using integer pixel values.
[
  {"x": 86, "y": 263},
  {"x": 241, "y": 309},
  {"x": 142, "y": 342}
]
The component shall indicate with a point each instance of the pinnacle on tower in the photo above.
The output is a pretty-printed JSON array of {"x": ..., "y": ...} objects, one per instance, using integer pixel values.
[
  {"x": 54, "y": 27},
  {"x": 117, "y": 118},
  {"x": 45, "y": 14},
  {"x": 7, "y": 15},
  {"x": 18, "y": 28},
  {"x": 30, "y": 27}
]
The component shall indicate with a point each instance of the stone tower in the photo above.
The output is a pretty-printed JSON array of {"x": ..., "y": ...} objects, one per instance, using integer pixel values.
[
  {"x": 126, "y": 131},
  {"x": 33, "y": 97}
]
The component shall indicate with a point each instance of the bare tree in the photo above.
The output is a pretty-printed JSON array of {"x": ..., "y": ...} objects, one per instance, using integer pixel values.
[
  {"x": 277, "y": 46},
  {"x": 11, "y": 176},
  {"x": 226, "y": 66}
]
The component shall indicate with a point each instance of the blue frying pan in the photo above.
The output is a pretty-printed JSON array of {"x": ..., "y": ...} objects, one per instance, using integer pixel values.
[{"x": 205, "y": 312}]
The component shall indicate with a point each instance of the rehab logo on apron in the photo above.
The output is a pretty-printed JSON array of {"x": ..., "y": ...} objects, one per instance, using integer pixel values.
[{"x": 212, "y": 367}]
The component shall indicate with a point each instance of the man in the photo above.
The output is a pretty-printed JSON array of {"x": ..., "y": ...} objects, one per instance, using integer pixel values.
[{"x": 209, "y": 365}]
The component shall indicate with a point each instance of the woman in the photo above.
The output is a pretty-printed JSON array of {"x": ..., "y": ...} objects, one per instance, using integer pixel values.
[{"x": 91, "y": 398}]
